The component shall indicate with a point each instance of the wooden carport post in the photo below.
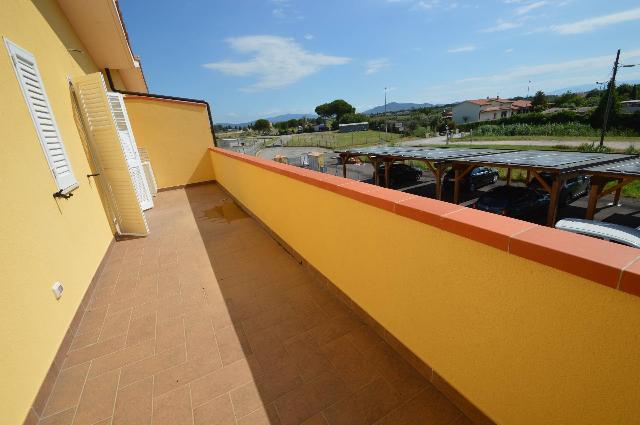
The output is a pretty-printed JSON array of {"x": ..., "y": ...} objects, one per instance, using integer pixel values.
[
  {"x": 616, "y": 198},
  {"x": 345, "y": 158},
  {"x": 387, "y": 168},
  {"x": 438, "y": 174},
  {"x": 597, "y": 184},
  {"x": 509, "y": 176},
  {"x": 552, "y": 214},
  {"x": 376, "y": 177}
]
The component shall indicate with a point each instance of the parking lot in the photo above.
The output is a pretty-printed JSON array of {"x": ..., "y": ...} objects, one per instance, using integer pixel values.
[{"x": 627, "y": 212}]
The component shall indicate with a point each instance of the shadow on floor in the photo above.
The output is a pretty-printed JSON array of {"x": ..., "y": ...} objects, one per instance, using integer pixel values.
[{"x": 311, "y": 359}]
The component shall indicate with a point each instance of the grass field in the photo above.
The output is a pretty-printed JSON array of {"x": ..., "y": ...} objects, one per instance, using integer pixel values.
[{"x": 335, "y": 140}]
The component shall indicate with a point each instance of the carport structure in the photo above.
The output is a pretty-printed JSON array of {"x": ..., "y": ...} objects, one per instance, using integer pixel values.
[
  {"x": 561, "y": 165},
  {"x": 621, "y": 173},
  {"x": 437, "y": 160}
]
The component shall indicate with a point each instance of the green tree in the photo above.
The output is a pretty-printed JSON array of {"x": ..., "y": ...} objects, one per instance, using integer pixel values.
[
  {"x": 261, "y": 125},
  {"x": 624, "y": 91},
  {"x": 352, "y": 117},
  {"x": 539, "y": 101},
  {"x": 597, "y": 116},
  {"x": 634, "y": 92},
  {"x": 336, "y": 109}
]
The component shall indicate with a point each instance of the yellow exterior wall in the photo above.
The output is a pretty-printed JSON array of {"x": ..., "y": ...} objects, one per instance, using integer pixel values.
[
  {"x": 526, "y": 343},
  {"x": 42, "y": 240},
  {"x": 177, "y": 137}
]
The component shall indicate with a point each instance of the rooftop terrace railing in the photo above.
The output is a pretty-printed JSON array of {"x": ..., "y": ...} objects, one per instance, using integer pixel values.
[{"x": 529, "y": 324}]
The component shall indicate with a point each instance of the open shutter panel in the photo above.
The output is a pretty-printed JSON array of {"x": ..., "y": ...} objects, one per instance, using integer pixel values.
[
  {"x": 103, "y": 134},
  {"x": 32, "y": 87},
  {"x": 130, "y": 149}
]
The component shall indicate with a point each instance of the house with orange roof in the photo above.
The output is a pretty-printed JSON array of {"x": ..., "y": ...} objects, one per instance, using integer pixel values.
[{"x": 488, "y": 109}]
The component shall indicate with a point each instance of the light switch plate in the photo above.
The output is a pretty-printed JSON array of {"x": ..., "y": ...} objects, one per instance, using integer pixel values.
[{"x": 57, "y": 289}]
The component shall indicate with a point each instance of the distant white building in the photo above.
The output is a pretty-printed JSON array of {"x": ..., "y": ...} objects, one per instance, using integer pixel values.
[
  {"x": 630, "y": 106},
  {"x": 488, "y": 109},
  {"x": 356, "y": 126}
]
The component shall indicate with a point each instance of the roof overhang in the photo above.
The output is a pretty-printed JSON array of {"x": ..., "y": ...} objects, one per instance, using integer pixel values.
[{"x": 99, "y": 26}]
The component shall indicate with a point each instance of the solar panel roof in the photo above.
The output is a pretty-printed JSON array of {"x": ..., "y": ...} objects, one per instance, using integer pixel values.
[
  {"x": 433, "y": 154},
  {"x": 630, "y": 167},
  {"x": 552, "y": 160}
]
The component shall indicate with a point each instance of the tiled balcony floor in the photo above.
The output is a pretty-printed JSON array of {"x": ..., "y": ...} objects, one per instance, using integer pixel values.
[{"x": 210, "y": 321}]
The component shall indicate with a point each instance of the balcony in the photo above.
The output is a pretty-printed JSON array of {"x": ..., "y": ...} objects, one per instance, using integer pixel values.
[{"x": 209, "y": 320}]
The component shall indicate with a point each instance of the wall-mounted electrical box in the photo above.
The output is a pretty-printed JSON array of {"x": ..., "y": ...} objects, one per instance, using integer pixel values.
[{"x": 57, "y": 289}]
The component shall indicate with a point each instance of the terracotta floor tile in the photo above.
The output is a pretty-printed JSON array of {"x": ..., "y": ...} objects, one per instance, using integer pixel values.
[
  {"x": 428, "y": 407},
  {"x": 233, "y": 344},
  {"x": 80, "y": 341},
  {"x": 184, "y": 373},
  {"x": 218, "y": 411},
  {"x": 173, "y": 408},
  {"x": 364, "y": 407},
  {"x": 153, "y": 365},
  {"x": 121, "y": 358},
  {"x": 98, "y": 398},
  {"x": 133, "y": 404},
  {"x": 67, "y": 389},
  {"x": 141, "y": 329},
  {"x": 317, "y": 419},
  {"x": 264, "y": 416},
  {"x": 220, "y": 325},
  {"x": 92, "y": 320},
  {"x": 62, "y": 418},
  {"x": 220, "y": 381},
  {"x": 169, "y": 333},
  {"x": 115, "y": 324},
  {"x": 350, "y": 364},
  {"x": 246, "y": 399},
  {"x": 91, "y": 352}
]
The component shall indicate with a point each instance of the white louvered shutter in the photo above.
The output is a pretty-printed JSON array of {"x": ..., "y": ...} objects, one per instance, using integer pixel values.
[
  {"x": 91, "y": 93},
  {"x": 34, "y": 93},
  {"x": 130, "y": 150}
]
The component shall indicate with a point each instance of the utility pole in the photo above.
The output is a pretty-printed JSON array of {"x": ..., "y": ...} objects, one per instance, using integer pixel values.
[
  {"x": 607, "y": 110},
  {"x": 385, "y": 111}
]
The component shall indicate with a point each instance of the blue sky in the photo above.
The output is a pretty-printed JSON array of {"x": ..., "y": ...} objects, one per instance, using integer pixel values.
[{"x": 260, "y": 58}]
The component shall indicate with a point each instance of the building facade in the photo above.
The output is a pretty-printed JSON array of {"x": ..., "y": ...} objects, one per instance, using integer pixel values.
[{"x": 471, "y": 111}]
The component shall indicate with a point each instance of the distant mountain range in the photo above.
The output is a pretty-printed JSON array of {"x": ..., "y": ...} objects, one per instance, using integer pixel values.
[
  {"x": 587, "y": 87},
  {"x": 397, "y": 107},
  {"x": 277, "y": 118}
]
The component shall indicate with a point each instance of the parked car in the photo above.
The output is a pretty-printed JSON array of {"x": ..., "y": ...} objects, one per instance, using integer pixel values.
[
  {"x": 512, "y": 201},
  {"x": 400, "y": 173},
  {"x": 572, "y": 189},
  {"x": 478, "y": 177},
  {"x": 598, "y": 229}
]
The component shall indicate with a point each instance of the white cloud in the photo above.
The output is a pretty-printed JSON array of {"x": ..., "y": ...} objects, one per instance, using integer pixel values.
[
  {"x": 463, "y": 49},
  {"x": 502, "y": 26},
  {"x": 523, "y": 10},
  {"x": 509, "y": 50},
  {"x": 591, "y": 24},
  {"x": 591, "y": 66},
  {"x": 309, "y": 37},
  {"x": 277, "y": 61},
  {"x": 376, "y": 65}
]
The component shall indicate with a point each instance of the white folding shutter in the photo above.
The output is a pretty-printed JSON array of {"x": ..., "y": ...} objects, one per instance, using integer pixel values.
[
  {"x": 32, "y": 87},
  {"x": 91, "y": 93},
  {"x": 130, "y": 150}
]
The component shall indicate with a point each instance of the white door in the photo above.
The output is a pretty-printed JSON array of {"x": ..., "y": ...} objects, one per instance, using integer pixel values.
[
  {"x": 130, "y": 150},
  {"x": 104, "y": 138}
]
